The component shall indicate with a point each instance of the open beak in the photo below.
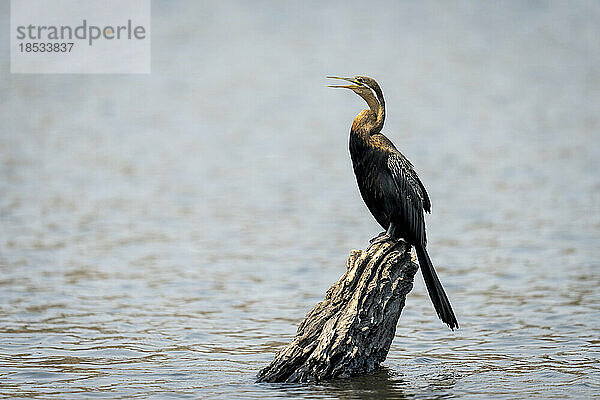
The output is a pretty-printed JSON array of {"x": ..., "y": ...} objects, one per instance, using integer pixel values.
[{"x": 356, "y": 84}]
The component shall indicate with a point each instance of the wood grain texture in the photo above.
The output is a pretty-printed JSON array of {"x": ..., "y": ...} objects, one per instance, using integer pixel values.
[{"x": 350, "y": 332}]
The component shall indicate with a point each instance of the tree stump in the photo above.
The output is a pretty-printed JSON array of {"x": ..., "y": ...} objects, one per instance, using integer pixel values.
[{"x": 350, "y": 332}]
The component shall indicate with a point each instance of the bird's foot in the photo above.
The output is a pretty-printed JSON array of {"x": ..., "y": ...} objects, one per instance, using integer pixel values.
[
  {"x": 377, "y": 237},
  {"x": 381, "y": 238}
]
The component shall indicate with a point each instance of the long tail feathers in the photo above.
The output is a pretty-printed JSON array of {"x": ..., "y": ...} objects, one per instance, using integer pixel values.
[{"x": 434, "y": 287}]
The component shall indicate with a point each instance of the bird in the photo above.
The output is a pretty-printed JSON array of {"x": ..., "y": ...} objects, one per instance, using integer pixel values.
[{"x": 390, "y": 187}]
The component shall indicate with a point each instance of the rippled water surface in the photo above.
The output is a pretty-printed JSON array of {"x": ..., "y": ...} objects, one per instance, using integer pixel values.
[{"x": 162, "y": 235}]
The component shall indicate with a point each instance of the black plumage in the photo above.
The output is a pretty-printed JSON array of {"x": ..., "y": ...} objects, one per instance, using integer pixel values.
[{"x": 391, "y": 188}]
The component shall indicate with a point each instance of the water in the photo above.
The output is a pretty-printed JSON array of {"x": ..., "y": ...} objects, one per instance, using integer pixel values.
[{"x": 162, "y": 235}]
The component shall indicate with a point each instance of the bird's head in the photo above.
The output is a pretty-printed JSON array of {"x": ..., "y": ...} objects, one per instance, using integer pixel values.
[
  {"x": 369, "y": 90},
  {"x": 360, "y": 85}
]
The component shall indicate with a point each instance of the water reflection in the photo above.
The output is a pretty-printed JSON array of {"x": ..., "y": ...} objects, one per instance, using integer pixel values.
[{"x": 381, "y": 384}]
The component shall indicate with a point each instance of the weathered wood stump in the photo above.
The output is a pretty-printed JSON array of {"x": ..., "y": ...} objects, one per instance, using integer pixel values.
[{"x": 350, "y": 332}]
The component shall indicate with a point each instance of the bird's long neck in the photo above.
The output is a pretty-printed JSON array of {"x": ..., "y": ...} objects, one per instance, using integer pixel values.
[
  {"x": 370, "y": 122},
  {"x": 380, "y": 112},
  {"x": 364, "y": 125}
]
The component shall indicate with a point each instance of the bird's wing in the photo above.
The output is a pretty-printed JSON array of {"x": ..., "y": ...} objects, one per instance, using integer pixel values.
[
  {"x": 413, "y": 197},
  {"x": 424, "y": 194},
  {"x": 397, "y": 160},
  {"x": 401, "y": 167}
]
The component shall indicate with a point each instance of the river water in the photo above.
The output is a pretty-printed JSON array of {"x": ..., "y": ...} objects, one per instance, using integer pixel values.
[{"x": 162, "y": 235}]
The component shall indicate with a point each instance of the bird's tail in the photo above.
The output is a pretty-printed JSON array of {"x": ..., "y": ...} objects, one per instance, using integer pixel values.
[{"x": 434, "y": 287}]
